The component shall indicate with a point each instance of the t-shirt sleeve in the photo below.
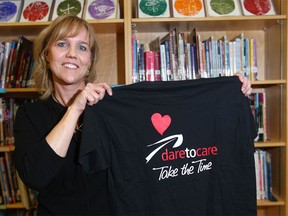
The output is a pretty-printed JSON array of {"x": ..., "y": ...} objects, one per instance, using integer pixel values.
[
  {"x": 33, "y": 156},
  {"x": 94, "y": 150}
]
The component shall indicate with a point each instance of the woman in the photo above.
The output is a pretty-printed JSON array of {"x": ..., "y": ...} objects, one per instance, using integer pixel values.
[{"x": 47, "y": 132}]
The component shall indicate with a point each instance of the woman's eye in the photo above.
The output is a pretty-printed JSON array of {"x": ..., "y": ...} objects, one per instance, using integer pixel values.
[
  {"x": 61, "y": 44},
  {"x": 83, "y": 48}
]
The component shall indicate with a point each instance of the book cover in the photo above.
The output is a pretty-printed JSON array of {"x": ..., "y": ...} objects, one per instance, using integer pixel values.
[
  {"x": 26, "y": 71},
  {"x": 188, "y": 62},
  {"x": 10, "y": 11},
  {"x": 194, "y": 62},
  {"x": 141, "y": 63},
  {"x": 256, "y": 8},
  {"x": 163, "y": 62},
  {"x": 269, "y": 175},
  {"x": 11, "y": 60},
  {"x": 23, "y": 51},
  {"x": 257, "y": 173},
  {"x": 150, "y": 65},
  {"x": 7, "y": 49},
  {"x": 8, "y": 166},
  {"x": 157, "y": 67},
  {"x": 100, "y": 9},
  {"x": 195, "y": 59},
  {"x": 152, "y": 8},
  {"x": 223, "y": 8},
  {"x": 36, "y": 11},
  {"x": 67, "y": 7},
  {"x": 171, "y": 38},
  {"x": 180, "y": 45},
  {"x": 168, "y": 50},
  {"x": 134, "y": 50},
  {"x": 253, "y": 58},
  {"x": 3, "y": 180},
  {"x": 182, "y": 8}
]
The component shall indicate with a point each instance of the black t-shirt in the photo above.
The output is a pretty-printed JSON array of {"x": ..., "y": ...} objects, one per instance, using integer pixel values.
[{"x": 174, "y": 148}]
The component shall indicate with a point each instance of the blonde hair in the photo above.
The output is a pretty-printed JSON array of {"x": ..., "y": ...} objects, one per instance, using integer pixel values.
[{"x": 67, "y": 25}]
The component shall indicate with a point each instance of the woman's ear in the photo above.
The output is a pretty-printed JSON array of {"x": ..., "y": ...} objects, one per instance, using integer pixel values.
[{"x": 46, "y": 56}]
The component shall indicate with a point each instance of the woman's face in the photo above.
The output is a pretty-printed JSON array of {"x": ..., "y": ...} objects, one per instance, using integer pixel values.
[{"x": 70, "y": 59}]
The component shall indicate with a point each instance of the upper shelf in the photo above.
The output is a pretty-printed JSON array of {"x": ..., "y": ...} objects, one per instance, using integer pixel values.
[
  {"x": 208, "y": 23},
  {"x": 34, "y": 90},
  {"x": 33, "y": 28}
]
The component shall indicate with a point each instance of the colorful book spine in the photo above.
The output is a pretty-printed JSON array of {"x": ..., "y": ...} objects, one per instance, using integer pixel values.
[
  {"x": 150, "y": 65},
  {"x": 141, "y": 63},
  {"x": 157, "y": 66},
  {"x": 163, "y": 62}
]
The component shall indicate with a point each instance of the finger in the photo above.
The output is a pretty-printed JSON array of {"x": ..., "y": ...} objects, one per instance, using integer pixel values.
[{"x": 106, "y": 87}]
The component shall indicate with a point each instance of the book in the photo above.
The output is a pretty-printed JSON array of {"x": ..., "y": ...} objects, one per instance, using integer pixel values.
[
  {"x": 253, "y": 60},
  {"x": 7, "y": 50},
  {"x": 3, "y": 180},
  {"x": 256, "y": 8},
  {"x": 23, "y": 51},
  {"x": 10, "y": 181},
  {"x": 188, "y": 61},
  {"x": 258, "y": 107},
  {"x": 152, "y": 8},
  {"x": 223, "y": 8},
  {"x": 170, "y": 39},
  {"x": 263, "y": 174},
  {"x": 157, "y": 66},
  {"x": 181, "y": 68},
  {"x": 10, "y": 11},
  {"x": 36, "y": 11},
  {"x": 11, "y": 60},
  {"x": 61, "y": 7},
  {"x": 168, "y": 50},
  {"x": 269, "y": 176},
  {"x": 100, "y": 9},
  {"x": 141, "y": 63},
  {"x": 188, "y": 8},
  {"x": 134, "y": 47},
  {"x": 150, "y": 65},
  {"x": 163, "y": 62},
  {"x": 195, "y": 59}
]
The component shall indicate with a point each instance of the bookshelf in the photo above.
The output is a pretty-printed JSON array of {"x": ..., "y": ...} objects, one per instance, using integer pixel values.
[{"x": 114, "y": 67}]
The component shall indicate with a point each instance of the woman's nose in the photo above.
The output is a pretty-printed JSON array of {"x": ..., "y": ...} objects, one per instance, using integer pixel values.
[{"x": 71, "y": 53}]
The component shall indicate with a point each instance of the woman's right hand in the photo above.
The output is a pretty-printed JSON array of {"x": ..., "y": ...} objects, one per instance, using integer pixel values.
[{"x": 91, "y": 94}]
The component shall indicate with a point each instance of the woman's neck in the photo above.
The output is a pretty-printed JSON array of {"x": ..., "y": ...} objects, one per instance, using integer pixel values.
[{"x": 65, "y": 95}]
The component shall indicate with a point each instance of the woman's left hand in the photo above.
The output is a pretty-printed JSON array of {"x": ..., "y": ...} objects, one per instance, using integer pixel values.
[{"x": 246, "y": 84}]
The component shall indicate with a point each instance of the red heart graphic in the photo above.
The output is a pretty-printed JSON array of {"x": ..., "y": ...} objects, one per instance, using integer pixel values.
[{"x": 160, "y": 123}]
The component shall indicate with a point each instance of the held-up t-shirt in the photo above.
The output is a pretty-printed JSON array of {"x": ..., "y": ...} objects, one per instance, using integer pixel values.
[{"x": 174, "y": 148}]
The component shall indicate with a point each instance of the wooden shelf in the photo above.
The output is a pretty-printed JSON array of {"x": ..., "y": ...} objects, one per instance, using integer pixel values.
[
  {"x": 30, "y": 29},
  {"x": 270, "y": 203},
  {"x": 234, "y": 23},
  {"x": 268, "y": 144},
  {"x": 7, "y": 148}
]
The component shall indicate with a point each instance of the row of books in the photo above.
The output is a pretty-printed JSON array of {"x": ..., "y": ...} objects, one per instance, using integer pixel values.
[
  {"x": 263, "y": 171},
  {"x": 258, "y": 107},
  {"x": 183, "y": 56},
  {"x": 46, "y": 10},
  {"x": 202, "y": 8},
  {"x": 8, "y": 109},
  {"x": 12, "y": 188},
  {"x": 16, "y": 63}
]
